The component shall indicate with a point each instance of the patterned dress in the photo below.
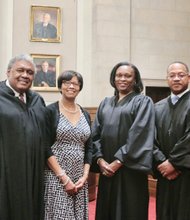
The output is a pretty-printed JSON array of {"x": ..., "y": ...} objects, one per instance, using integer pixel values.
[{"x": 69, "y": 151}]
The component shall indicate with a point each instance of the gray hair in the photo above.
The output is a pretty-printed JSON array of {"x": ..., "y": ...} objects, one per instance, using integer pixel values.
[{"x": 25, "y": 57}]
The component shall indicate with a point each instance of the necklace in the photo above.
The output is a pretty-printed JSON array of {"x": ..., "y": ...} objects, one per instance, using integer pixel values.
[{"x": 70, "y": 111}]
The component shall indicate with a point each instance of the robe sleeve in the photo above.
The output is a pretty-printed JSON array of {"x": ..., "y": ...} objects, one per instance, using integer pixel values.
[
  {"x": 138, "y": 150},
  {"x": 48, "y": 139},
  {"x": 180, "y": 154},
  {"x": 96, "y": 133},
  {"x": 158, "y": 156},
  {"x": 96, "y": 138},
  {"x": 178, "y": 144}
]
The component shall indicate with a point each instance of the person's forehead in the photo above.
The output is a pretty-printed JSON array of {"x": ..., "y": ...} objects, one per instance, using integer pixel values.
[
  {"x": 74, "y": 78},
  {"x": 45, "y": 63},
  {"x": 47, "y": 16},
  {"x": 23, "y": 64},
  {"x": 177, "y": 66},
  {"x": 124, "y": 68}
]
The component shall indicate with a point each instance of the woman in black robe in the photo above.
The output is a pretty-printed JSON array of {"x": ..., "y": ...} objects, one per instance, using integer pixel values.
[{"x": 123, "y": 133}]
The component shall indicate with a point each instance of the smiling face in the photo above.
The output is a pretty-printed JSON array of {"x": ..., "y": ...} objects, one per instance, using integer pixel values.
[
  {"x": 21, "y": 75},
  {"x": 70, "y": 89},
  {"x": 124, "y": 79},
  {"x": 178, "y": 78}
]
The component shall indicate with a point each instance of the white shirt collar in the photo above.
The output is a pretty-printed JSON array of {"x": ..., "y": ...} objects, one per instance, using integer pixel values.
[
  {"x": 15, "y": 92},
  {"x": 180, "y": 94}
]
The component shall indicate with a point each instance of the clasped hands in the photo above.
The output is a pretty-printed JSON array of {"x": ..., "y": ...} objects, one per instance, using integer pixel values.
[
  {"x": 168, "y": 170},
  {"x": 108, "y": 169},
  {"x": 72, "y": 188}
]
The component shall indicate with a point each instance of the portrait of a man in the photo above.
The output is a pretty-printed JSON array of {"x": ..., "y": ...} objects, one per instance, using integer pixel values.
[
  {"x": 45, "y": 76},
  {"x": 44, "y": 28},
  {"x": 45, "y": 24},
  {"x": 47, "y": 71}
]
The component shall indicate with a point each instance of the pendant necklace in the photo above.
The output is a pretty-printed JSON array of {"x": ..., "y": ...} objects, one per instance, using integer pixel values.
[{"x": 70, "y": 111}]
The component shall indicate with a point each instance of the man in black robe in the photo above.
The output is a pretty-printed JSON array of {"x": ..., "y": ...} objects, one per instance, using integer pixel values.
[
  {"x": 23, "y": 145},
  {"x": 44, "y": 77},
  {"x": 45, "y": 29},
  {"x": 172, "y": 147}
]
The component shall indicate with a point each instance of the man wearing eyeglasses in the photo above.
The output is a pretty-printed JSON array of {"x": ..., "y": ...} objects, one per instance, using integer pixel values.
[
  {"x": 23, "y": 144},
  {"x": 172, "y": 147}
]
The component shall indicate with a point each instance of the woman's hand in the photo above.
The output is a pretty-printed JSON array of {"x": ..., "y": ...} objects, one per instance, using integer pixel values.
[
  {"x": 115, "y": 165},
  {"x": 105, "y": 168},
  {"x": 82, "y": 180},
  {"x": 80, "y": 183},
  {"x": 69, "y": 186}
]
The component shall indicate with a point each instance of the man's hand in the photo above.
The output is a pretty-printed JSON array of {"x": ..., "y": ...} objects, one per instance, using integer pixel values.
[{"x": 168, "y": 170}]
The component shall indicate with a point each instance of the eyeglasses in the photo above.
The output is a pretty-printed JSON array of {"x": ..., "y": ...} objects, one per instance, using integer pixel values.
[
  {"x": 179, "y": 76},
  {"x": 69, "y": 83}
]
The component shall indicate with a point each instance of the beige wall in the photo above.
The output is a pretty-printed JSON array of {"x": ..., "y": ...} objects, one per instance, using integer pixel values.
[
  {"x": 160, "y": 35},
  {"x": 111, "y": 42},
  {"x": 149, "y": 33},
  {"x": 18, "y": 31},
  {"x": 66, "y": 48},
  {"x": 6, "y": 24},
  {"x": 99, "y": 33}
]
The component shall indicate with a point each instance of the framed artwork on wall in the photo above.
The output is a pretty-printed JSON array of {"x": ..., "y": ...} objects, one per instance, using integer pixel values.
[
  {"x": 45, "y": 24},
  {"x": 47, "y": 72}
]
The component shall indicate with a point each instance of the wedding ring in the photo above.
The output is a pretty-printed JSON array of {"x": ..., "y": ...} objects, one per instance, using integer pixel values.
[{"x": 104, "y": 173}]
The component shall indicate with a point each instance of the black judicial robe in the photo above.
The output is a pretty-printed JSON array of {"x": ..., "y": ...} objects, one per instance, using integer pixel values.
[
  {"x": 22, "y": 156},
  {"x": 124, "y": 130},
  {"x": 173, "y": 143}
]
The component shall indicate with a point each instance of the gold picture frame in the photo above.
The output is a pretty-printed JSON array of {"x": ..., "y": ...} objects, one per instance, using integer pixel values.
[
  {"x": 47, "y": 72},
  {"x": 45, "y": 24}
]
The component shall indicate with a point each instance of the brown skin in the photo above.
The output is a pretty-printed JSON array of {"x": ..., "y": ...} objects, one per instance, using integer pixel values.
[
  {"x": 21, "y": 76},
  {"x": 69, "y": 94},
  {"x": 178, "y": 84},
  {"x": 178, "y": 81},
  {"x": 124, "y": 82}
]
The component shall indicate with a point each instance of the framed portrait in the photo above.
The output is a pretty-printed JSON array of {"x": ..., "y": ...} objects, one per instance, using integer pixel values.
[
  {"x": 47, "y": 72},
  {"x": 45, "y": 24}
]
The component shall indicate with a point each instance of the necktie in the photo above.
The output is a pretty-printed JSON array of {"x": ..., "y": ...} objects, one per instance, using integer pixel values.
[
  {"x": 21, "y": 97},
  {"x": 175, "y": 99}
]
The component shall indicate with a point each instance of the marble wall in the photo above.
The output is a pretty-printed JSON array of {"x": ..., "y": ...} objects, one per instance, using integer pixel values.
[{"x": 96, "y": 34}]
